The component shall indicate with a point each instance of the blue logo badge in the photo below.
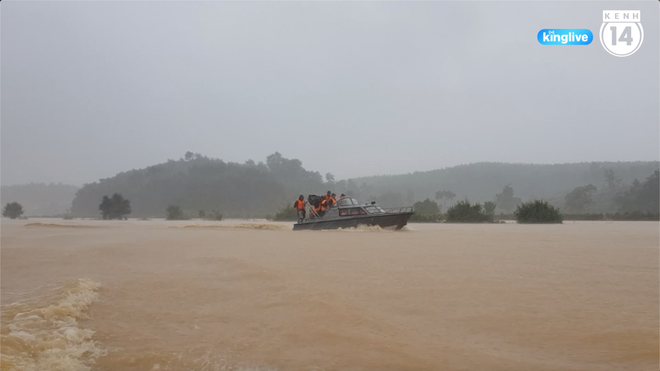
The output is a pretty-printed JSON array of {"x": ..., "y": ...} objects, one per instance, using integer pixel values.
[{"x": 566, "y": 36}]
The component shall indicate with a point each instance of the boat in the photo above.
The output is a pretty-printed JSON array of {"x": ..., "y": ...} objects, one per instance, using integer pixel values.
[{"x": 347, "y": 212}]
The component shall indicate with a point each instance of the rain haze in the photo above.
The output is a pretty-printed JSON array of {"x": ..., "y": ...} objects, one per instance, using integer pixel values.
[
  {"x": 359, "y": 186},
  {"x": 90, "y": 89}
]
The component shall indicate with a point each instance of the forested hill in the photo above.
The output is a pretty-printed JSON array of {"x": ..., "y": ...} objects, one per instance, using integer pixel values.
[
  {"x": 257, "y": 189},
  {"x": 197, "y": 182},
  {"x": 483, "y": 181},
  {"x": 40, "y": 199}
]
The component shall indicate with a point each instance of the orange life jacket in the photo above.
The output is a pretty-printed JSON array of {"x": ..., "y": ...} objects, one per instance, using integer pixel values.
[
  {"x": 300, "y": 204},
  {"x": 323, "y": 205}
]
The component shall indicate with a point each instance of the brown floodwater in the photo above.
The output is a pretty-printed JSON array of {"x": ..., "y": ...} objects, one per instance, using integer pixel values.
[{"x": 241, "y": 295}]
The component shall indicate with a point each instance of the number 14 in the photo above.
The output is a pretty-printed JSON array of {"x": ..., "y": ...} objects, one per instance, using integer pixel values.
[{"x": 625, "y": 35}]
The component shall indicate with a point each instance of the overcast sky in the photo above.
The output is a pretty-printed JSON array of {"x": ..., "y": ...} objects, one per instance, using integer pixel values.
[{"x": 90, "y": 89}]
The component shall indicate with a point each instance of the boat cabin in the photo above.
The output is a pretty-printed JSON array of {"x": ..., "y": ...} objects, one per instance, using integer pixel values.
[{"x": 349, "y": 206}]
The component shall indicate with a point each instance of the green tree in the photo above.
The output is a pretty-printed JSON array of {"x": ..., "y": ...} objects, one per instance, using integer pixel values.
[
  {"x": 537, "y": 211},
  {"x": 174, "y": 212},
  {"x": 489, "y": 207},
  {"x": 12, "y": 210},
  {"x": 612, "y": 180},
  {"x": 465, "y": 212},
  {"x": 580, "y": 198},
  {"x": 641, "y": 196},
  {"x": 115, "y": 207}
]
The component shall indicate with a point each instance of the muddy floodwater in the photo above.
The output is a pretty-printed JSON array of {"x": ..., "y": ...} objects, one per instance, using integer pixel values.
[{"x": 249, "y": 295}]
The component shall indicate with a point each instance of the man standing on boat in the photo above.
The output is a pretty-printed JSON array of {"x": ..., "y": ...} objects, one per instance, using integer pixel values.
[
  {"x": 299, "y": 205},
  {"x": 326, "y": 203}
]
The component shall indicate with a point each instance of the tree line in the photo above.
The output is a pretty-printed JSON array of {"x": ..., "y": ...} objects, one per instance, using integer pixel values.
[
  {"x": 482, "y": 181},
  {"x": 197, "y": 183}
]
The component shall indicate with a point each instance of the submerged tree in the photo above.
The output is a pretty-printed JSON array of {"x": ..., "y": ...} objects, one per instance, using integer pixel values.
[
  {"x": 537, "y": 211},
  {"x": 174, "y": 212},
  {"x": 115, "y": 207},
  {"x": 426, "y": 207},
  {"x": 12, "y": 210},
  {"x": 465, "y": 212}
]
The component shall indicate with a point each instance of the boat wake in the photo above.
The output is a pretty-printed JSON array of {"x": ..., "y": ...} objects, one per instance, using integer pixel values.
[
  {"x": 257, "y": 226},
  {"x": 41, "y": 332},
  {"x": 368, "y": 228},
  {"x": 54, "y": 225}
]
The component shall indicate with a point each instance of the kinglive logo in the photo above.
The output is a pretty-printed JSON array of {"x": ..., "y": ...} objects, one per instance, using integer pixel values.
[{"x": 566, "y": 36}]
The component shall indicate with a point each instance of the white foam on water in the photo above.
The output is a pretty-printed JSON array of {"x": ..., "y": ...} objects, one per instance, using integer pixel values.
[
  {"x": 367, "y": 228},
  {"x": 44, "y": 336}
]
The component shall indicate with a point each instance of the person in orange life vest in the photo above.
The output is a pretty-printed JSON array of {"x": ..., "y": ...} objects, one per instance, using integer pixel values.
[
  {"x": 325, "y": 204},
  {"x": 317, "y": 209},
  {"x": 299, "y": 205},
  {"x": 333, "y": 200}
]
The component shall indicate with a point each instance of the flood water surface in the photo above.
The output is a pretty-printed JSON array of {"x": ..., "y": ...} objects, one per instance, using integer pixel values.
[{"x": 240, "y": 295}]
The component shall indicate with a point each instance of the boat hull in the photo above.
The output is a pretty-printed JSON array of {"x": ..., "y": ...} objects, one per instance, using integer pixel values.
[{"x": 398, "y": 221}]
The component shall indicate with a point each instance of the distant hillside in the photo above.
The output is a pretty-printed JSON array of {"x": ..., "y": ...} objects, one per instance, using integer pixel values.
[
  {"x": 40, "y": 199},
  {"x": 200, "y": 183},
  {"x": 482, "y": 181},
  {"x": 257, "y": 189}
]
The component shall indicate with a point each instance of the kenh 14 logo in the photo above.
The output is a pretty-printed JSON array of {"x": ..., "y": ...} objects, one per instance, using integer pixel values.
[{"x": 621, "y": 33}]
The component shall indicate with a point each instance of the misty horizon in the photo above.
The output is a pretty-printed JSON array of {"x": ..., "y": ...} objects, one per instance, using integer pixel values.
[
  {"x": 92, "y": 89},
  {"x": 337, "y": 178}
]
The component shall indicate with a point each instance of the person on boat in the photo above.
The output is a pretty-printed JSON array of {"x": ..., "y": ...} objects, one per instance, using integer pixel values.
[
  {"x": 322, "y": 207},
  {"x": 299, "y": 205},
  {"x": 332, "y": 201},
  {"x": 342, "y": 196},
  {"x": 317, "y": 209}
]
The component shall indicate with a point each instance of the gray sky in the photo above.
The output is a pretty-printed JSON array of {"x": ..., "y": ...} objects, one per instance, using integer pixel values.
[{"x": 90, "y": 89}]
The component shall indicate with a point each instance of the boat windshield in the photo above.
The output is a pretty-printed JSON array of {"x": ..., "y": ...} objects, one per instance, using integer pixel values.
[
  {"x": 348, "y": 201},
  {"x": 375, "y": 210}
]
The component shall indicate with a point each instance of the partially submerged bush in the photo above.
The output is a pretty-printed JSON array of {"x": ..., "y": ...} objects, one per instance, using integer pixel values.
[
  {"x": 174, "y": 212},
  {"x": 209, "y": 215},
  {"x": 115, "y": 207},
  {"x": 465, "y": 212},
  {"x": 12, "y": 210},
  {"x": 426, "y": 211},
  {"x": 537, "y": 211}
]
